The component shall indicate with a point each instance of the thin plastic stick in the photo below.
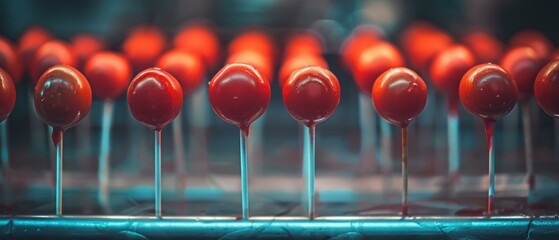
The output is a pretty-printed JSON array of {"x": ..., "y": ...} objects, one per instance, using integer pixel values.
[
  {"x": 5, "y": 149},
  {"x": 244, "y": 175},
  {"x": 453, "y": 146},
  {"x": 367, "y": 123},
  {"x": 404, "y": 171},
  {"x": 528, "y": 150},
  {"x": 104, "y": 152},
  {"x": 178, "y": 141},
  {"x": 491, "y": 152},
  {"x": 157, "y": 181},
  {"x": 59, "y": 161},
  {"x": 310, "y": 169}
]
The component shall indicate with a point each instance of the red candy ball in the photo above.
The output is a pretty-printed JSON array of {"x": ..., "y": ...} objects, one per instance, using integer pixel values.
[
  {"x": 255, "y": 59},
  {"x": 7, "y": 95},
  {"x": 143, "y": 46},
  {"x": 155, "y": 98},
  {"x": 399, "y": 95},
  {"x": 62, "y": 97},
  {"x": 374, "y": 61},
  {"x": 108, "y": 73},
  {"x": 84, "y": 46},
  {"x": 449, "y": 66},
  {"x": 29, "y": 42},
  {"x": 523, "y": 63},
  {"x": 186, "y": 67},
  {"x": 546, "y": 88},
  {"x": 422, "y": 41},
  {"x": 361, "y": 38},
  {"x": 534, "y": 39},
  {"x": 49, "y": 54},
  {"x": 201, "y": 39},
  {"x": 484, "y": 46},
  {"x": 295, "y": 62},
  {"x": 239, "y": 94},
  {"x": 303, "y": 43},
  {"x": 10, "y": 61},
  {"x": 488, "y": 91},
  {"x": 311, "y": 95},
  {"x": 254, "y": 40}
]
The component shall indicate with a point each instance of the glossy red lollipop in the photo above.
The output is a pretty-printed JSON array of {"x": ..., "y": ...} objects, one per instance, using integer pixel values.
[
  {"x": 546, "y": 88},
  {"x": 484, "y": 46},
  {"x": 108, "y": 73},
  {"x": 447, "y": 70},
  {"x": 488, "y": 92},
  {"x": 188, "y": 68},
  {"x": 84, "y": 46},
  {"x": 374, "y": 61},
  {"x": 49, "y": 54},
  {"x": 7, "y": 95},
  {"x": 143, "y": 46},
  {"x": 295, "y": 62},
  {"x": 10, "y": 61},
  {"x": 62, "y": 97},
  {"x": 29, "y": 42},
  {"x": 311, "y": 94},
  {"x": 255, "y": 59},
  {"x": 155, "y": 98},
  {"x": 239, "y": 94},
  {"x": 523, "y": 63},
  {"x": 399, "y": 95},
  {"x": 201, "y": 39}
]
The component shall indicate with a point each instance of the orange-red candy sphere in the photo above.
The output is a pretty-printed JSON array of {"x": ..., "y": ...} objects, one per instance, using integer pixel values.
[
  {"x": 201, "y": 39},
  {"x": 374, "y": 61},
  {"x": 143, "y": 46},
  {"x": 108, "y": 74},
  {"x": 449, "y": 66}
]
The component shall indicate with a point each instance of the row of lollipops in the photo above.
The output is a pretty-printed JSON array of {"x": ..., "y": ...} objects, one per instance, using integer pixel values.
[{"x": 240, "y": 92}]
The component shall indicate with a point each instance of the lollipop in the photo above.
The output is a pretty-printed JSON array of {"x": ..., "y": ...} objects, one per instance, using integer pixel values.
[
  {"x": 488, "y": 92},
  {"x": 399, "y": 95},
  {"x": 188, "y": 69},
  {"x": 84, "y": 46},
  {"x": 10, "y": 61},
  {"x": 29, "y": 42},
  {"x": 546, "y": 88},
  {"x": 368, "y": 66},
  {"x": 523, "y": 63},
  {"x": 7, "y": 103},
  {"x": 536, "y": 40},
  {"x": 255, "y": 40},
  {"x": 143, "y": 46},
  {"x": 361, "y": 38},
  {"x": 62, "y": 99},
  {"x": 311, "y": 95},
  {"x": 201, "y": 39},
  {"x": 108, "y": 73},
  {"x": 447, "y": 69},
  {"x": 155, "y": 99},
  {"x": 303, "y": 43},
  {"x": 295, "y": 62},
  {"x": 7, "y": 95},
  {"x": 484, "y": 46},
  {"x": 239, "y": 95}
]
